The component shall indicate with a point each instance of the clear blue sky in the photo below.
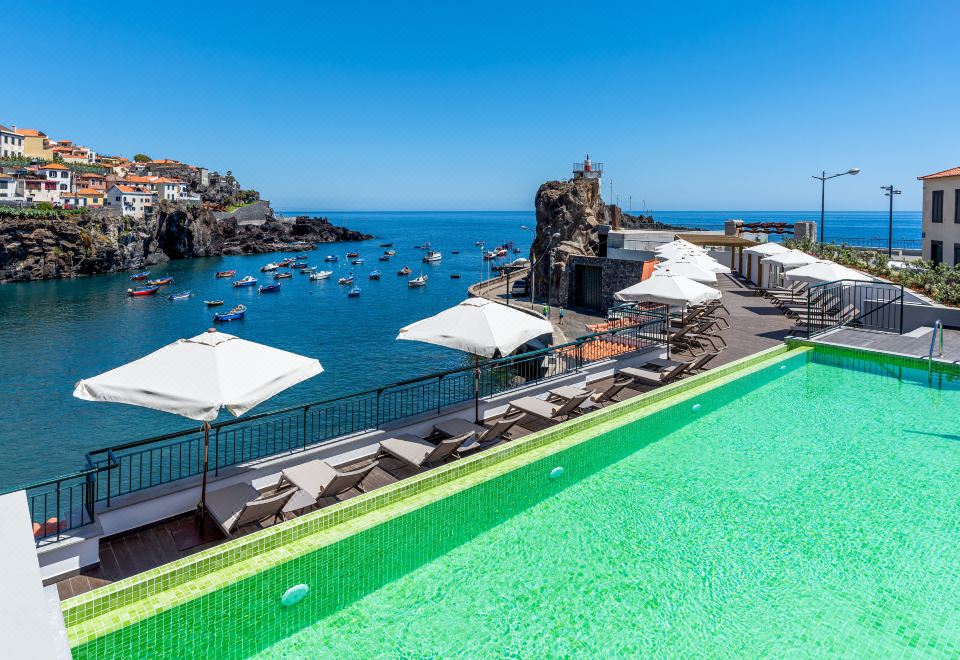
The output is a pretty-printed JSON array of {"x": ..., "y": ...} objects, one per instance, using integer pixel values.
[{"x": 406, "y": 105}]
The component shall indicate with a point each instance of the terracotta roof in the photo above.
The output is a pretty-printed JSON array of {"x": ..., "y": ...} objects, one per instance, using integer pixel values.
[
  {"x": 953, "y": 171},
  {"x": 164, "y": 161},
  {"x": 54, "y": 166},
  {"x": 133, "y": 190},
  {"x": 7, "y": 130},
  {"x": 31, "y": 132},
  {"x": 87, "y": 192}
]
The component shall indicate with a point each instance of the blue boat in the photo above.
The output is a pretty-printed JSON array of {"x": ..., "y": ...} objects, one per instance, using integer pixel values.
[
  {"x": 234, "y": 314},
  {"x": 331, "y": 257},
  {"x": 354, "y": 292},
  {"x": 375, "y": 275},
  {"x": 182, "y": 295},
  {"x": 136, "y": 277},
  {"x": 246, "y": 281},
  {"x": 270, "y": 288}
]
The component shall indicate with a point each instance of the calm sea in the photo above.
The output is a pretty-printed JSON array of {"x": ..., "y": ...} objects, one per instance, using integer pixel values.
[{"x": 54, "y": 333}]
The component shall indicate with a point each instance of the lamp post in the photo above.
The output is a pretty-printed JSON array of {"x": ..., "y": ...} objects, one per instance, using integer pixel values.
[
  {"x": 823, "y": 187},
  {"x": 890, "y": 192},
  {"x": 533, "y": 278}
]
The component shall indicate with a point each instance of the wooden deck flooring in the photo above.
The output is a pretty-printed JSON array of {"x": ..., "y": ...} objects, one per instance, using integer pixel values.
[{"x": 755, "y": 325}]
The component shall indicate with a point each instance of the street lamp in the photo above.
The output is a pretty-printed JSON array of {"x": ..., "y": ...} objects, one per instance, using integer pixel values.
[
  {"x": 823, "y": 185},
  {"x": 553, "y": 253},
  {"x": 890, "y": 192}
]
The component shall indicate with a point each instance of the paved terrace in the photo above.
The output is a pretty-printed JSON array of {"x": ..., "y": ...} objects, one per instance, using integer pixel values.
[
  {"x": 754, "y": 326},
  {"x": 915, "y": 343}
]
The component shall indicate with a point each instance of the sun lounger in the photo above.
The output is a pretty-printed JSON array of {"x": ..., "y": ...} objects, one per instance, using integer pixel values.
[
  {"x": 419, "y": 453},
  {"x": 483, "y": 435},
  {"x": 649, "y": 377},
  {"x": 240, "y": 505},
  {"x": 319, "y": 479},
  {"x": 610, "y": 394},
  {"x": 549, "y": 411}
]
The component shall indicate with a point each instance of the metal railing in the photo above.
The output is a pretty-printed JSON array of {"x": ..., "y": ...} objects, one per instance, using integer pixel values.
[
  {"x": 874, "y": 306},
  {"x": 134, "y": 466},
  {"x": 880, "y": 243}
]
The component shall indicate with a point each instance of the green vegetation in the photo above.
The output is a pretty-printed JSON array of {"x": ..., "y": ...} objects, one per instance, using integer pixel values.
[
  {"x": 14, "y": 161},
  {"x": 939, "y": 282},
  {"x": 87, "y": 167},
  {"x": 242, "y": 198},
  {"x": 142, "y": 158},
  {"x": 39, "y": 212}
]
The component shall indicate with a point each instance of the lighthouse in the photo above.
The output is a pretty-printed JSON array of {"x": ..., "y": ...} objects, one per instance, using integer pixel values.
[{"x": 587, "y": 169}]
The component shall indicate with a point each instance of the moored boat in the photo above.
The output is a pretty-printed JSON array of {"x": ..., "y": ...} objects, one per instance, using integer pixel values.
[
  {"x": 404, "y": 271},
  {"x": 358, "y": 261},
  {"x": 455, "y": 251},
  {"x": 234, "y": 314},
  {"x": 212, "y": 303},
  {"x": 246, "y": 281},
  {"x": 143, "y": 291},
  {"x": 418, "y": 281},
  {"x": 301, "y": 257},
  {"x": 346, "y": 280},
  {"x": 307, "y": 270},
  {"x": 375, "y": 275},
  {"x": 354, "y": 292},
  {"x": 296, "y": 266},
  {"x": 226, "y": 273},
  {"x": 433, "y": 256},
  {"x": 269, "y": 288},
  {"x": 351, "y": 255},
  {"x": 182, "y": 295},
  {"x": 269, "y": 267},
  {"x": 331, "y": 257},
  {"x": 454, "y": 276},
  {"x": 390, "y": 253},
  {"x": 384, "y": 257},
  {"x": 163, "y": 281},
  {"x": 136, "y": 277},
  {"x": 321, "y": 275},
  {"x": 386, "y": 245},
  {"x": 282, "y": 276}
]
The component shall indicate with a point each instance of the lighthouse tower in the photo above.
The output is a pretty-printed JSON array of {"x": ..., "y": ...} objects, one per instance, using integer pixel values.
[{"x": 587, "y": 169}]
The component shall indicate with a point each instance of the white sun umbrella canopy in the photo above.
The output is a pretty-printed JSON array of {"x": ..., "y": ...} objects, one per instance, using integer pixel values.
[
  {"x": 766, "y": 249},
  {"x": 687, "y": 269},
  {"x": 668, "y": 289},
  {"x": 196, "y": 377},
  {"x": 789, "y": 259},
  {"x": 825, "y": 271},
  {"x": 664, "y": 252},
  {"x": 704, "y": 261},
  {"x": 678, "y": 245}
]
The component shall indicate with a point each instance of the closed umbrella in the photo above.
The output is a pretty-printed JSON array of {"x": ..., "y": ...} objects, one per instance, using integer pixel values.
[
  {"x": 479, "y": 326},
  {"x": 825, "y": 271},
  {"x": 687, "y": 269},
  {"x": 196, "y": 377}
]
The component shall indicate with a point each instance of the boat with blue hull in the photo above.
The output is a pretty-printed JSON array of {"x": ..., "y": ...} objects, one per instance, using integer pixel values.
[
  {"x": 246, "y": 281},
  {"x": 235, "y": 314},
  {"x": 270, "y": 288},
  {"x": 182, "y": 295}
]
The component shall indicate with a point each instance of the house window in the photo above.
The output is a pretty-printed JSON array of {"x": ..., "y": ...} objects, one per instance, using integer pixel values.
[
  {"x": 936, "y": 252},
  {"x": 117, "y": 199},
  {"x": 956, "y": 254},
  {"x": 956, "y": 205},
  {"x": 936, "y": 207},
  {"x": 63, "y": 186}
]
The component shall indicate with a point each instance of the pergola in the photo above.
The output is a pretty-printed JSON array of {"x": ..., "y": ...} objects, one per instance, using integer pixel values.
[{"x": 736, "y": 245}]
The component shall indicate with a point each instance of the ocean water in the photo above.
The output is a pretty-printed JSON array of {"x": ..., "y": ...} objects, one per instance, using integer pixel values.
[
  {"x": 826, "y": 529},
  {"x": 54, "y": 333}
]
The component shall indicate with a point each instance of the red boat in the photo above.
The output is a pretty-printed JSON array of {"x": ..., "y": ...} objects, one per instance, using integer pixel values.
[
  {"x": 143, "y": 291},
  {"x": 226, "y": 273},
  {"x": 140, "y": 276}
]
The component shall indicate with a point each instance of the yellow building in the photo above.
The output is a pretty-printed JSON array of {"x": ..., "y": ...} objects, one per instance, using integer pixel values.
[{"x": 36, "y": 144}]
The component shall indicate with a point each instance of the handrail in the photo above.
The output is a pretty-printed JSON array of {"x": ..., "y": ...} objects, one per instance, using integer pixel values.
[{"x": 937, "y": 325}]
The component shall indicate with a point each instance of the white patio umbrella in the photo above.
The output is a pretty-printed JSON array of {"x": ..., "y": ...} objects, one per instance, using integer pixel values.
[
  {"x": 672, "y": 252},
  {"x": 678, "y": 244},
  {"x": 787, "y": 260},
  {"x": 687, "y": 269},
  {"x": 825, "y": 271},
  {"x": 197, "y": 377},
  {"x": 766, "y": 249},
  {"x": 479, "y": 326},
  {"x": 704, "y": 261},
  {"x": 668, "y": 289}
]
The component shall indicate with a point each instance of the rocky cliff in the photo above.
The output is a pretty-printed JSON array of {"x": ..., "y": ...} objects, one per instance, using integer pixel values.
[
  {"x": 573, "y": 209},
  {"x": 53, "y": 244}
]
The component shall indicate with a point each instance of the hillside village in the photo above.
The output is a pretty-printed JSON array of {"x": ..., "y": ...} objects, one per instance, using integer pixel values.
[{"x": 36, "y": 170}]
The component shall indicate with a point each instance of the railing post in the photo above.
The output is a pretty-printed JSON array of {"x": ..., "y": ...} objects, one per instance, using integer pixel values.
[
  {"x": 901, "y": 309},
  {"x": 439, "y": 403},
  {"x": 57, "y": 517},
  {"x": 216, "y": 452}
]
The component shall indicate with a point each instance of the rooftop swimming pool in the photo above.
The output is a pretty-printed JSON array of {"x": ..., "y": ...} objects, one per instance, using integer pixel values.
[{"x": 804, "y": 506}]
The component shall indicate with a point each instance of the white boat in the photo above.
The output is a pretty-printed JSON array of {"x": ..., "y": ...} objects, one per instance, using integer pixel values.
[
  {"x": 321, "y": 275},
  {"x": 418, "y": 281},
  {"x": 432, "y": 256},
  {"x": 488, "y": 255},
  {"x": 270, "y": 266}
]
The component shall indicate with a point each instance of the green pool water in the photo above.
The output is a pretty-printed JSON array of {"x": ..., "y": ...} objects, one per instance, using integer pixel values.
[{"x": 810, "y": 508}]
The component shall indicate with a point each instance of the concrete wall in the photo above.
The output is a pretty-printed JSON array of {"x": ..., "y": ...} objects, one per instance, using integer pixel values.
[{"x": 615, "y": 274}]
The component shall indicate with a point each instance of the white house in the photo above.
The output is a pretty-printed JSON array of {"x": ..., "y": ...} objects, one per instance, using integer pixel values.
[
  {"x": 59, "y": 174},
  {"x": 169, "y": 189},
  {"x": 941, "y": 216},
  {"x": 11, "y": 188},
  {"x": 11, "y": 142},
  {"x": 40, "y": 189},
  {"x": 133, "y": 201}
]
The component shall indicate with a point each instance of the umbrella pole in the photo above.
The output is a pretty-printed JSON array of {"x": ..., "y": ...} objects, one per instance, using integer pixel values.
[
  {"x": 202, "y": 505},
  {"x": 476, "y": 389}
]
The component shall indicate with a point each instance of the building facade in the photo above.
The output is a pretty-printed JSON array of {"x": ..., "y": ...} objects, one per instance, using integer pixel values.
[
  {"x": 11, "y": 188},
  {"x": 132, "y": 201},
  {"x": 36, "y": 144},
  {"x": 941, "y": 216},
  {"x": 59, "y": 174},
  {"x": 11, "y": 142}
]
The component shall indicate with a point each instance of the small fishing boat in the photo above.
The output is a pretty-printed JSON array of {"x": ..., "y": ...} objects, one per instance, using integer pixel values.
[
  {"x": 289, "y": 261},
  {"x": 331, "y": 257},
  {"x": 143, "y": 291},
  {"x": 425, "y": 246},
  {"x": 357, "y": 262},
  {"x": 296, "y": 266},
  {"x": 351, "y": 255},
  {"x": 269, "y": 288},
  {"x": 354, "y": 292},
  {"x": 246, "y": 281},
  {"x": 501, "y": 252},
  {"x": 182, "y": 295},
  {"x": 454, "y": 276},
  {"x": 321, "y": 275},
  {"x": 234, "y": 314},
  {"x": 283, "y": 276},
  {"x": 226, "y": 273},
  {"x": 163, "y": 281},
  {"x": 269, "y": 267},
  {"x": 306, "y": 270},
  {"x": 455, "y": 251},
  {"x": 375, "y": 275},
  {"x": 404, "y": 271},
  {"x": 516, "y": 250},
  {"x": 346, "y": 280},
  {"x": 432, "y": 257},
  {"x": 301, "y": 257},
  {"x": 136, "y": 277},
  {"x": 386, "y": 245},
  {"x": 390, "y": 253},
  {"x": 479, "y": 244},
  {"x": 212, "y": 303},
  {"x": 384, "y": 257},
  {"x": 418, "y": 281}
]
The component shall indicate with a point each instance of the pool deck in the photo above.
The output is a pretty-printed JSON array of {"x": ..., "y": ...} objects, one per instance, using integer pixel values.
[
  {"x": 755, "y": 325},
  {"x": 914, "y": 344}
]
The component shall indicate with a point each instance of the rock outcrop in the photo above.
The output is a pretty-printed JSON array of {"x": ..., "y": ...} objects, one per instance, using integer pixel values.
[
  {"x": 69, "y": 244},
  {"x": 573, "y": 209}
]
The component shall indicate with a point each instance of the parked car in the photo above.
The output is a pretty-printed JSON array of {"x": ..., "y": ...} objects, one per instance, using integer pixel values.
[{"x": 520, "y": 288}]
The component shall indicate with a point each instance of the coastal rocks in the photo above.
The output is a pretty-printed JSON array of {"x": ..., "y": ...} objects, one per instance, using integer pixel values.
[{"x": 573, "y": 209}]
